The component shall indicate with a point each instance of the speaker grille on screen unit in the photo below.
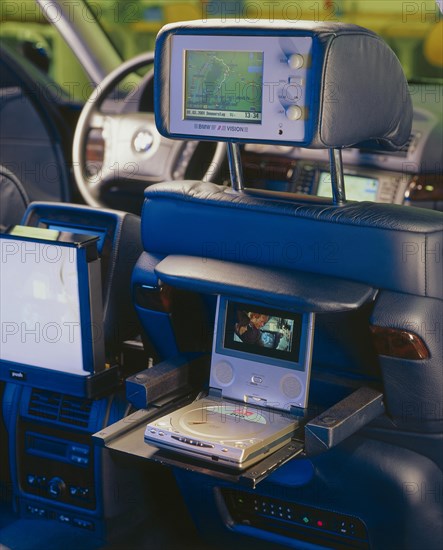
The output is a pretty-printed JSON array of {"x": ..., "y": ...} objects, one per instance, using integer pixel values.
[
  {"x": 223, "y": 373},
  {"x": 291, "y": 386}
]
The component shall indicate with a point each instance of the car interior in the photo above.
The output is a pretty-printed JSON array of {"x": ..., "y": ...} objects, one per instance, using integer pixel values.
[{"x": 221, "y": 279}]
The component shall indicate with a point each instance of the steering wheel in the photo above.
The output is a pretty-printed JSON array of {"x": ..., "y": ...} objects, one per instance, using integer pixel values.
[{"x": 134, "y": 151}]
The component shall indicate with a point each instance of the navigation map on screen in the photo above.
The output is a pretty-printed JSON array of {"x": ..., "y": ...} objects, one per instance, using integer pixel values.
[
  {"x": 358, "y": 188},
  {"x": 224, "y": 85}
]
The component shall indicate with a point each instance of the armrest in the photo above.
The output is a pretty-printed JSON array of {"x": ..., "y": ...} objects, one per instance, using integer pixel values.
[
  {"x": 311, "y": 292},
  {"x": 345, "y": 418}
]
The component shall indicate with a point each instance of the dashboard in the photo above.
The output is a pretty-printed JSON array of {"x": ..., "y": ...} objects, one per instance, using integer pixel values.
[{"x": 412, "y": 175}]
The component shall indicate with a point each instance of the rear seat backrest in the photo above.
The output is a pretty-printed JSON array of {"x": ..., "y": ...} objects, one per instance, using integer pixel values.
[
  {"x": 394, "y": 249},
  {"x": 385, "y": 246}
]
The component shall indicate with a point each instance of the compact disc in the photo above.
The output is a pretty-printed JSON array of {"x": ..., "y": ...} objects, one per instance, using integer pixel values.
[{"x": 224, "y": 421}]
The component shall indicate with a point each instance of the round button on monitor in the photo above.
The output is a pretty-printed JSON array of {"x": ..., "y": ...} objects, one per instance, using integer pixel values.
[
  {"x": 294, "y": 112},
  {"x": 296, "y": 61}
]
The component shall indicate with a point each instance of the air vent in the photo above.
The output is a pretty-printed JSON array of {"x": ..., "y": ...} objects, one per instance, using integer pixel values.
[
  {"x": 44, "y": 404},
  {"x": 74, "y": 410},
  {"x": 60, "y": 408}
]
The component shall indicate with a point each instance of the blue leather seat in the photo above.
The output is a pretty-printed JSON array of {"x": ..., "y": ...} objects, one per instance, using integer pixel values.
[
  {"x": 395, "y": 250},
  {"x": 387, "y": 476}
]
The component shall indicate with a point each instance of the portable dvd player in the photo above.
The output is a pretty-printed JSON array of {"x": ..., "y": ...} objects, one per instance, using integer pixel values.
[
  {"x": 259, "y": 375},
  {"x": 235, "y": 434}
]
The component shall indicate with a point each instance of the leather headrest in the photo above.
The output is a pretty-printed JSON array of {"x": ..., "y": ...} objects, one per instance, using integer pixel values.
[{"x": 355, "y": 87}]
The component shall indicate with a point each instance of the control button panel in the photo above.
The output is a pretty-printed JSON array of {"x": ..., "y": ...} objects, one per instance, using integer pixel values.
[
  {"x": 79, "y": 454},
  {"x": 72, "y": 489},
  {"x": 189, "y": 441},
  {"x": 36, "y": 480},
  {"x": 37, "y": 511},
  {"x": 78, "y": 492},
  {"x": 56, "y": 488},
  {"x": 315, "y": 525}
]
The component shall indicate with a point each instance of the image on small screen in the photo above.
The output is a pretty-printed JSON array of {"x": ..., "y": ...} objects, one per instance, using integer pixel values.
[
  {"x": 223, "y": 86},
  {"x": 358, "y": 188},
  {"x": 271, "y": 333}
]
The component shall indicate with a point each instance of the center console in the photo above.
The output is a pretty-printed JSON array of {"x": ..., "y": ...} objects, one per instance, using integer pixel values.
[
  {"x": 61, "y": 474},
  {"x": 63, "y": 382},
  {"x": 310, "y": 177}
]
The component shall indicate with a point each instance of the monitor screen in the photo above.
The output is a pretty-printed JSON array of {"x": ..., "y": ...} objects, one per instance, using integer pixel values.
[
  {"x": 358, "y": 188},
  {"x": 39, "y": 291},
  {"x": 223, "y": 85},
  {"x": 263, "y": 331},
  {"x": 245, "y": 88},
  {"x": 50, "y": 295}
]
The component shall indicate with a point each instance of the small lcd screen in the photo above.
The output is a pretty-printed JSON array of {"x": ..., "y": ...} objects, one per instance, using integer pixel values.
[
  {"x": 358, "y": 188},
  {"x": 263, "y": 331},
  {"x": 223, "y": 86}
]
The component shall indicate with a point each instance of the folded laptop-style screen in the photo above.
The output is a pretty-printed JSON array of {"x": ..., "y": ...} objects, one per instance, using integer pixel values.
[
  {"x": 50, "y": 296},
  {"x": 40, "y": 306}
]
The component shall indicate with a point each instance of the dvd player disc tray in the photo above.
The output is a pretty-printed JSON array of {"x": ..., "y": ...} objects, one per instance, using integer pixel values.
[{"x": 232, "y": 433}]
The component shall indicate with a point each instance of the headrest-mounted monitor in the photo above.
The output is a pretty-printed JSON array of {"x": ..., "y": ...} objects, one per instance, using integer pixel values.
[{"x": 308, "y": 84}]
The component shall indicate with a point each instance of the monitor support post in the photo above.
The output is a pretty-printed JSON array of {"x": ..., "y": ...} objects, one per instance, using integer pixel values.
[
  {"x": 337, "y": 178},
  {"x": 235, "y": 166}
]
